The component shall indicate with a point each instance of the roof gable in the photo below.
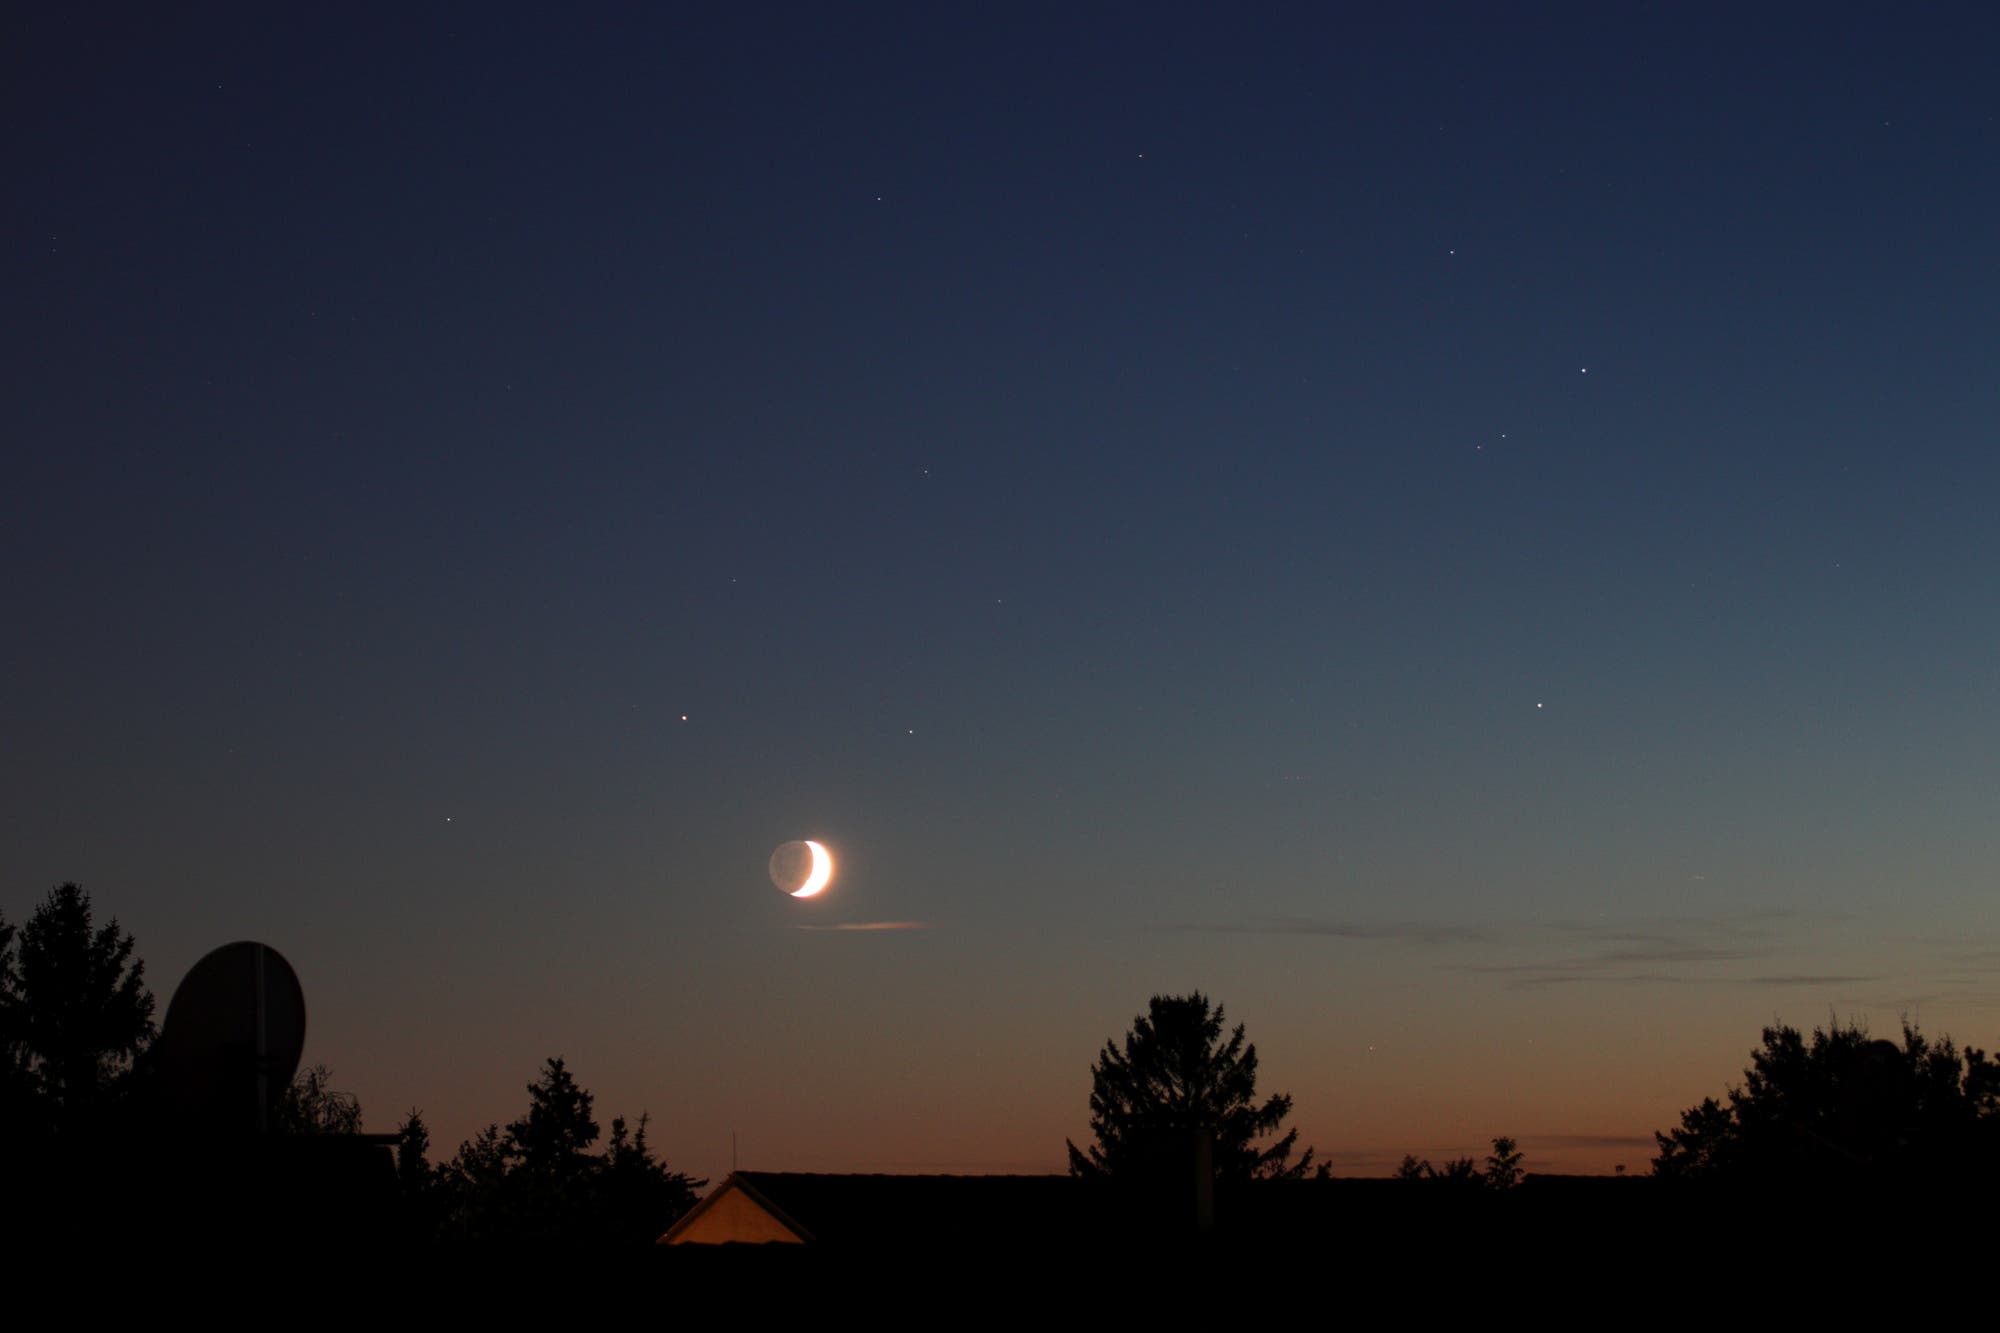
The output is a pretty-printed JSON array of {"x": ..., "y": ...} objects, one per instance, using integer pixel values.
[
  {"x": 735, "y": 1212},
  {"x": 872, "y": 1209}
]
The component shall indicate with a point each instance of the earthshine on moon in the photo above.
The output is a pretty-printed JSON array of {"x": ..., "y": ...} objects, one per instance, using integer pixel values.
[{"x": 801, "y": 869}]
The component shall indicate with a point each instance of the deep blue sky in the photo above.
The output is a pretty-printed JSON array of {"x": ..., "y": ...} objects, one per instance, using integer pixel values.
[{"x": 1455, "y": 530}]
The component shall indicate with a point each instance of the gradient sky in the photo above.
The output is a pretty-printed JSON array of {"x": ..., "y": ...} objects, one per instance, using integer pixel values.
[{"x": 1464, "y": 532}]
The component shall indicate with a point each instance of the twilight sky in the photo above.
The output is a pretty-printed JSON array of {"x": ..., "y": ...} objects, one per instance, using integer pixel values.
[{"x": 1464, "y": 532}]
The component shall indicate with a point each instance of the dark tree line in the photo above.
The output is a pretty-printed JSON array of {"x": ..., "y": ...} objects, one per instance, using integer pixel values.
[
  {"x": 1842, "y": 1107},
  {"x": 1502, "y": 1170},
  {"x": 1834, "y": 1108},
  {"x": 537, "y": 1180},
  {"x": 76, "y": 1027},
  {"x": 1176, "y": 1072}
]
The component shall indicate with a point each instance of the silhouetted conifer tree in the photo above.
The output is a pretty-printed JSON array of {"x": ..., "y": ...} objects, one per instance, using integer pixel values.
[
  {"x": 17, "y": 1085},
  {"x": 80, "y": 1014},
  {"x": 1176, "y": 1073},
  {"x": 558, "y": 1129},
  {"x": 413, "y": 1145},
  {"x": 474, "y": 1197},
  {"x": 638, "y": 1197},
  {"x": 418, "y": 1191},
  {"x": 537, "y": 1181}
]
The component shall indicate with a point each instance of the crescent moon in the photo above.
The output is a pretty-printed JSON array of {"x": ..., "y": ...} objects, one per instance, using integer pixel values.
[{"x": 822, "y": 871}]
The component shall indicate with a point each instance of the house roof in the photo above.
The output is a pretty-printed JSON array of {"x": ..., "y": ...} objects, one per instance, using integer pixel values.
[
  {"x": 939, "y": 1212},
  {"x": 936, "y": 1211}
]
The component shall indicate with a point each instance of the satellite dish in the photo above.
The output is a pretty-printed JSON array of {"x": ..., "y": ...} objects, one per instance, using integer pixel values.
[{"x": 232, "y": 1037}]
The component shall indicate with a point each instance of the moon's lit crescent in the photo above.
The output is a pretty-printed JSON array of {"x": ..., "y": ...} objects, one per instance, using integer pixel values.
[{"x": 822, "y": 871}]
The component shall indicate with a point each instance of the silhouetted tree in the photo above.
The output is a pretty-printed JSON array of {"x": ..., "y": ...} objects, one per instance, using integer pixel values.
[
  {"x": 418, "y": 1190},
  {"x": 17, "y": 1085},
  {"x": 550, "y": 1169},
  {"x": 538, "y": 1181},
  {"x": 1458, "y": 1171},
  {"x": 80, "y": 1013},
  {"x": 413, "y": 1145},
  {"x": 638, "y": 1197},
  {"x": 1503, "y": 1168},
  {"x": 556, "y": 1133},
  {"x": 1842, "y": 1106},
  {"x": 1706, "y": 1143},
  {"x": 1176, "y": 1073},
  {"x": 474, "y": 1199},
  {"x": 1503, "y": 1165},
  {"x": 310, "y": 1106}
]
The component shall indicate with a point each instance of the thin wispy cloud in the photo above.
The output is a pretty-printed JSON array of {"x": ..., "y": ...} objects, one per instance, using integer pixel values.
[
  {"x": 1533, "y": 977},
  {"x": 1673, "y": 951},
  {"x": 1669, "y": 952},
  {"x": 1539, "y": 978},
  {"x": 1752, "y": 920},
  {"x": 1588, "y": 1141},
  {"x": 1416, "y": 932},
  {"x": 1678, "y": 951}
]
